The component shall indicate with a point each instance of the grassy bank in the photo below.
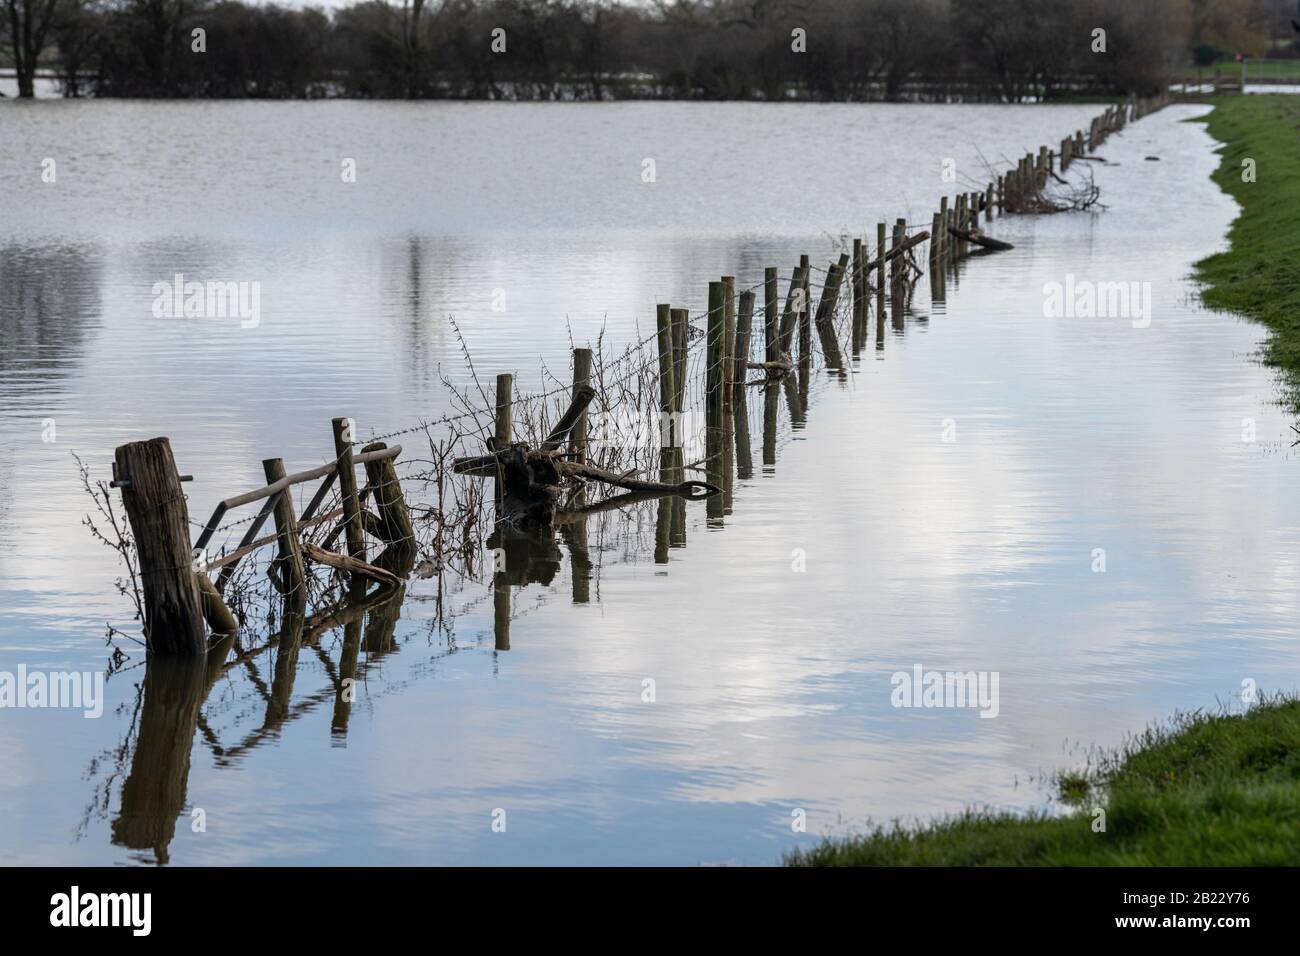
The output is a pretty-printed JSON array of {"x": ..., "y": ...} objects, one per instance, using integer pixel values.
[
  {"x": 1205, "y": 790},
  {"x": 1260, "y": 274}
]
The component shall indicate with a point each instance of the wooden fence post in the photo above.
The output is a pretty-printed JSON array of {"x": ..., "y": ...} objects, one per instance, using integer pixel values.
[
  {"x": 716, "y": 345},
  {"x": 505, "y": 409},
  {"x": 880, "y": 256},
  {"x": 348, "y": 487},
  {"x": 681, "y": 339},
  {"x": 789, "y": 317},
  {"x": 859, "y": 295},
  {"x": 386, "y": 491},
  {"x": 581, "y": 379},
  {"x": 744, "y": 325},
  {"x": 729, "y": 333},
  {"x": 160, "y": 523},
  {"x": 289, "y": 566},
  {"x": 805, "y": 314},
  {"x": 667, "y": 386},
  {"x": 831, "y": 290},
  {"x": 771, "y": 315}
]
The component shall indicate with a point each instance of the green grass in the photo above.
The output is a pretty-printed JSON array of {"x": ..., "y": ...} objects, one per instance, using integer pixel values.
[
  {"x": 1259, "y": 276},
  {"x": 1203, "y": 790},
  {"x": 1254, "y": 68}
]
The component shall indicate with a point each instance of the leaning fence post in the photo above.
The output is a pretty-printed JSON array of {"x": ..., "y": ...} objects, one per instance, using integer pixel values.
[
  {"x": 160, "y": 523},
  {"x": 859, "y": 302},
  {"x": 880, "y": 256},
  {"x": 348, "y": 487},
  {"x": 831, "y": 290},
  {"x": 788, "y": 317},
  {"x": 292, "y": 577},
  {"x": 215, "y": 611},
  {"x": 386, "y": 491}
]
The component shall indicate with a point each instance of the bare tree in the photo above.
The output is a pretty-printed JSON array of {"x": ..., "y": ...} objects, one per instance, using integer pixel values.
[{"x": 29, "y": 26}]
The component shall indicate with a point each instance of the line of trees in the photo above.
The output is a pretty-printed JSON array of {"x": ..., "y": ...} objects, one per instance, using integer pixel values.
[{"x": 606, "y": 49}]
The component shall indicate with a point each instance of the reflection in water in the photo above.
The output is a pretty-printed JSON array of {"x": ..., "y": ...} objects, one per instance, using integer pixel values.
[{"x": 153, "y": 794}]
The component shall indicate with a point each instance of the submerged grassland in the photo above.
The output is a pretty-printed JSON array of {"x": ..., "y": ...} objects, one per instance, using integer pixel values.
[
  {"x": 1221, "y": 790},
  {"x": 1204, "y": 789},
  {"x": 1259, "y": 275}
]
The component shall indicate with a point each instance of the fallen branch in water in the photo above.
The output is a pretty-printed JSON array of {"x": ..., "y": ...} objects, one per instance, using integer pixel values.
[
  {"x": 348, "y": 564},
  {"x": 692, "y": 490},
  {"x": 979, "y": 239}
]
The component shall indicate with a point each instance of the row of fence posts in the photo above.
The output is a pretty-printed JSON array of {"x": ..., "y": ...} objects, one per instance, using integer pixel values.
[{"x": 179, "y": 597}]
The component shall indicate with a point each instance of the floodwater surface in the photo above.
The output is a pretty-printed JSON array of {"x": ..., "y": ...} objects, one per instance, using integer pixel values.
[{"x": 1100, "y": 510}]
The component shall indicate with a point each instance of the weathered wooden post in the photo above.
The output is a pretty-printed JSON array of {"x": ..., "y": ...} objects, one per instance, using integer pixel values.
[
  {"x": 386, "y": 491},
  {"x": 805, "y": 312},
  {"x": 581, "y": 379},
  {"x": 504, "y": 409},
  {"x": 935, "y": 241},
  {"x": 681, "y": 338},
  {"x": 715, "y": 383},
  {"x": 715, "y": 345},
  {"x": 667, "y": 386},
  {"x": 291, "y": 576},
  {"x": 729, "y": 333},
  {"x": 790, "y": 316},
  {"x": 771, "y": 315},
  {"x": 831, "y": 290},
  {"x": 859, "y": 300},
  {"x": 959, "y": 221},
  {"x": 744, "y": 326},
  {"x": 668, "y": 426},
  {"x": 215, "y": 611},
  {"x": 160, "y": 523},
  {"x": 896, "y": 240},
  {"x": 880, "y": 257},
  {"x": 348, "y": 487}
]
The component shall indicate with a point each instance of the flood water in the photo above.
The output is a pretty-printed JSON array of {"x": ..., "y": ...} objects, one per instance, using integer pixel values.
[{"x": 942, "y": 505}]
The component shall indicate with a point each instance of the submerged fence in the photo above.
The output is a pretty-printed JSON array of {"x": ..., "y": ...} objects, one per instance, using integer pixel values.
[{"x": 675, "y": 403}]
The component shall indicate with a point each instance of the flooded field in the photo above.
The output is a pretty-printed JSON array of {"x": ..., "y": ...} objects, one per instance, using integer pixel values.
[{"x": 1097, "y": 509}]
